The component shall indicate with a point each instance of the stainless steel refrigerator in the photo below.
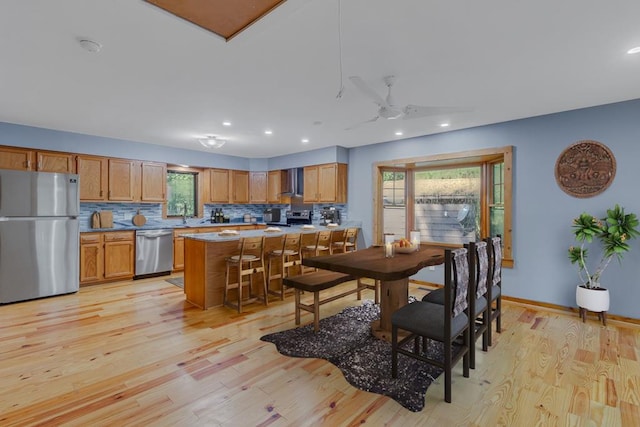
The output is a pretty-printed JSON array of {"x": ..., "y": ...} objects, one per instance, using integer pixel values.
[{"x": 39, "y": 234}]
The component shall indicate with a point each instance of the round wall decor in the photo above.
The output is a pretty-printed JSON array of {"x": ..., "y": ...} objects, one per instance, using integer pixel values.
[{"x": 585, "y": 169}]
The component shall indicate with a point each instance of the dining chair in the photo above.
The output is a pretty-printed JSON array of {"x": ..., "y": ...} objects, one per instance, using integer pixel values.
[
  {"x": 321, "y": 246},
  {"x": 248, "y": 263},
  {"x": 443, "y": 323},
  {"x": 288, "y": 255},
  {"x": 494, "y": 294},
  {"x": 478, "y": 297}
]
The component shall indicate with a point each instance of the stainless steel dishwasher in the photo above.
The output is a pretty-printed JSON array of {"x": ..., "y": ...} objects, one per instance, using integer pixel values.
[{"x": 154, "y": 252}]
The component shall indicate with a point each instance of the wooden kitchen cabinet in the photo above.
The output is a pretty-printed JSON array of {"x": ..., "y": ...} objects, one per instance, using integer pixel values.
[
  {"x": 154, "y": 182},
  {"x": 219, "y": 186},
  {"x": 50, "y": 161},
  {"x": 91, "y": 258},
  {"x": 178, "y": 247},
  {"x": 16, "y": 158},
  {"x": 124, "y": 176},
  {"x": 106, "y": 256},
  {"x": 258, "y": 187},
  {"x": 325, "y": 183},
  {"x": 239, "y": 186},
  {"x": 33, "y": 160},
  {"x": 119, "y": 258},
  {"x": 275, "y": 182},
  {"x": 93, "y": 172}
]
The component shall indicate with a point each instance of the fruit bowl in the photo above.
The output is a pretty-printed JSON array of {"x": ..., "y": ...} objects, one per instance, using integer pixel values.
[{"x": 405, "y": 249}]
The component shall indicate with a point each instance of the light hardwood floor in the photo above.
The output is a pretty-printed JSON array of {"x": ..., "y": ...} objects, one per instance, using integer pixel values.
[{"x": 134, "y": 353}]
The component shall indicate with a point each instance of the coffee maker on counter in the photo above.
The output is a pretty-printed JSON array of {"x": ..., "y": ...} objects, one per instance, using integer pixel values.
[{"x": 329, "y": 215}]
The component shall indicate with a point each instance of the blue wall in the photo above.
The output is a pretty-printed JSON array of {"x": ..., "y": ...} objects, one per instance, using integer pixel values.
[{"x": 542, "y": 212}]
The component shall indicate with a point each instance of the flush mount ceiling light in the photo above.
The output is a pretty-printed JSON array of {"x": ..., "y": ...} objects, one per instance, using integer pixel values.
[
  {"x": 634, "y": 50},
  {"x": 90, "y": 45},
  {"x": 212, "y": 142}
]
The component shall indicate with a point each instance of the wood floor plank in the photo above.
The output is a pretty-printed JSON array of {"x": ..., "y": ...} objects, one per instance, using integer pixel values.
[{"x": 135, "y": 353}]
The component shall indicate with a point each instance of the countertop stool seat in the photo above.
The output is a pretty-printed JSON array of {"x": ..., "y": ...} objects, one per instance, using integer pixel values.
[
  {"x": 344, "y": 241},
  {"x": 281, "y": 260},
  {"x": 321, "y": 246},
  {"x": 249, "y": 262}
]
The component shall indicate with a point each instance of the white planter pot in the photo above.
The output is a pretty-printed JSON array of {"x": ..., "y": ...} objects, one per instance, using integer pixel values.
[{"x": 594, "y": 299}]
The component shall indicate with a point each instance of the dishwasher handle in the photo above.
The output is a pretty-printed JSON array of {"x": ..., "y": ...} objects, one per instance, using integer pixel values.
[{"x": 153, "y": 234}]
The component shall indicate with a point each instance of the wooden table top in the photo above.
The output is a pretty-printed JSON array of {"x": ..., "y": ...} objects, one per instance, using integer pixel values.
[{"x": 372, "y": 263}]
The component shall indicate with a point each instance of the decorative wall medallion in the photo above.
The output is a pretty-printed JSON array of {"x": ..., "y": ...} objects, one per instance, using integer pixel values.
[{"x": 585, "y": 169}]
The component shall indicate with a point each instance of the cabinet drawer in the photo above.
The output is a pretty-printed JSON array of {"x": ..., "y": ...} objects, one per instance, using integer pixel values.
[
  {"x": 90, "y": 238},
  {"x": 114, "y": 236}
]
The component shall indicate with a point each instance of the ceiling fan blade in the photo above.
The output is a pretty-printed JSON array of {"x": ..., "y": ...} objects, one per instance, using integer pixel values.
[
  {"x": 366, "y": 89},
  {"x": 362, "y": 123},
  {"x": 417, "y": 111}
]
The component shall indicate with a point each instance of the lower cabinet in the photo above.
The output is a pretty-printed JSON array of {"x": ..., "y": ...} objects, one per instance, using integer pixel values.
[
  {"x": 178, "y": 247},
  {"x": 106, "y": 256}
]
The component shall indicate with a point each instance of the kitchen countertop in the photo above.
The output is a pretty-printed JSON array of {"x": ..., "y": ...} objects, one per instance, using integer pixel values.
[
  {"x": 216, "y": 237},
  {"x": 199, "y": 223},
  {"x": 156, "y": 225}
]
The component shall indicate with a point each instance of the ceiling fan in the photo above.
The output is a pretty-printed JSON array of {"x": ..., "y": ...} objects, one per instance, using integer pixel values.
[{"x": 389, "y": 110}]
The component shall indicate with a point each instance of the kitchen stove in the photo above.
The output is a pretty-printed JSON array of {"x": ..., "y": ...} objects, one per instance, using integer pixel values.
[{"x": 299, "y": 217}]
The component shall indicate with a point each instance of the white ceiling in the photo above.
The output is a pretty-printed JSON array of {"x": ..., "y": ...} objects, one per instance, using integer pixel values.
[{"x": 161, "y": 80}]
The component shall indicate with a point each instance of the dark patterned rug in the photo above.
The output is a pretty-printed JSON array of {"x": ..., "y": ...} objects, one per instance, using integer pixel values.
[{"x": 346, "y": 341}]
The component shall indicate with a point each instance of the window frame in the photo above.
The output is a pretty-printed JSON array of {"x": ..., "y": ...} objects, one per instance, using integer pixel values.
[
  {"x": 485, "y": 158},
  {"x": 199, "y": 205}
]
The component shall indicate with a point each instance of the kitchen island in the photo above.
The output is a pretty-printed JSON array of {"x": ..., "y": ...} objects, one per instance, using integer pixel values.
[{"x": 205, "y": 255}]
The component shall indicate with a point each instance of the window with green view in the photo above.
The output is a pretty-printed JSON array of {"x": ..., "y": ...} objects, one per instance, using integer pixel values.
[{"x": 181, "y": 193}]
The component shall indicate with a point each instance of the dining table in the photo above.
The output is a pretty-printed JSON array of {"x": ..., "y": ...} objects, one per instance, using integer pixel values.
[{"x": 392, "y": 272}]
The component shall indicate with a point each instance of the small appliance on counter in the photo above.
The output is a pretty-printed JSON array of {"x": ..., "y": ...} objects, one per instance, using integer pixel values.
[
  {"x": 329, "y": 215},
  {"x": 271, "y": 215},
  {"x": 299, "y": 217},
  {"x": 217, "y": 216}
]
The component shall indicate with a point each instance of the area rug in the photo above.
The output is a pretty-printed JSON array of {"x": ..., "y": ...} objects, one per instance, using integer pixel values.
[
  {"x": 178, "y": 281},
  {"x": 346, "y": 341}
]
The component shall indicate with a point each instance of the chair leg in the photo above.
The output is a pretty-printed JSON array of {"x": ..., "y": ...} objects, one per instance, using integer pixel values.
[
  {"x": 472, "y": 344},
  {"x": 297, "y": 298},
  {"x": 394, "y": 352},
  {"x": 466, "y": 358},
  {"x": 447, "y": 371},
  {"x": 240, "y": 287},
  {"x": 499, "y": 318},
  {"x": 485, "y": 335},
  {"x": 316, "y": 311}
]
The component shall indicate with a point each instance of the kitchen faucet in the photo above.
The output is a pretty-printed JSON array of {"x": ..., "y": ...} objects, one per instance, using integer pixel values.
[{"x": 184, "y": 214}]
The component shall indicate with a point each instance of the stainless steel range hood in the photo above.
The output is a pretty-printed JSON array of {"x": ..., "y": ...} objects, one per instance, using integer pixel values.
[{"x": 295, "y": 183}]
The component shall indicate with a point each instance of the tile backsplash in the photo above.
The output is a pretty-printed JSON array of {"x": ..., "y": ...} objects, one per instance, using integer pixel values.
[{"x": 124, "y": 212}]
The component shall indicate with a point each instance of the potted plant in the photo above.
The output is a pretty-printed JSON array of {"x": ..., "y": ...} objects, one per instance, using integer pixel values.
[{"x": 613, "y": 232}]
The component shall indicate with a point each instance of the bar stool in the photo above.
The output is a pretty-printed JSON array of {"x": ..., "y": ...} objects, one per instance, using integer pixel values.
[
  {"x": 289, "y": 255},
  {"x": 321, "y": 246},
  {"x": 347, "y": 242},
  {"x": 249, "y": 262}
]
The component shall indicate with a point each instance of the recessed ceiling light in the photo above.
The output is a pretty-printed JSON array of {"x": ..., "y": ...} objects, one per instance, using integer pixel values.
[
  {"x": 634, "y": 50},
  {"x": 226, "y": 123},
  {"x": 90, "y": 45},
  {"x": 305, "y": 140},
  {"x": 268, "y": 132},
  {"x": 399, "y": 133},
  {"x": 444, "y": 125}
]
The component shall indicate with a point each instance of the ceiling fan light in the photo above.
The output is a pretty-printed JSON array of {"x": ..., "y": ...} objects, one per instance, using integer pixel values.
[{"x": 212, "y": 142}]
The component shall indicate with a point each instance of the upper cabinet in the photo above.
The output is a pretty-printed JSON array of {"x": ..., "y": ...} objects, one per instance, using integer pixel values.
[
  {"x": 33, "y": 160},
  {"x": 123, "y": 180},
  {"x": 239, "y": 186},
  {"x": 275, "y": 182},
  {"x": 258, "y": 187},
  {"x": 219, "y": 186},
  {"x": 104, "y": 179},
  {"x": 93, "y": 172},
  {"x": 325, "y": 183},
  {"x": 154, "y": 182},
  {"x": 16, "y": 158}
]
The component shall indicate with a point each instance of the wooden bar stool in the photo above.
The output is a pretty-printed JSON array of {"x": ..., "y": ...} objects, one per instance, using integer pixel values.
[
  {"x": 287, "y": 256},
  {"x": 249, "y": 262},
  {"x": 347, "y": 242},
  {"x": 321, "y": 246}
]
